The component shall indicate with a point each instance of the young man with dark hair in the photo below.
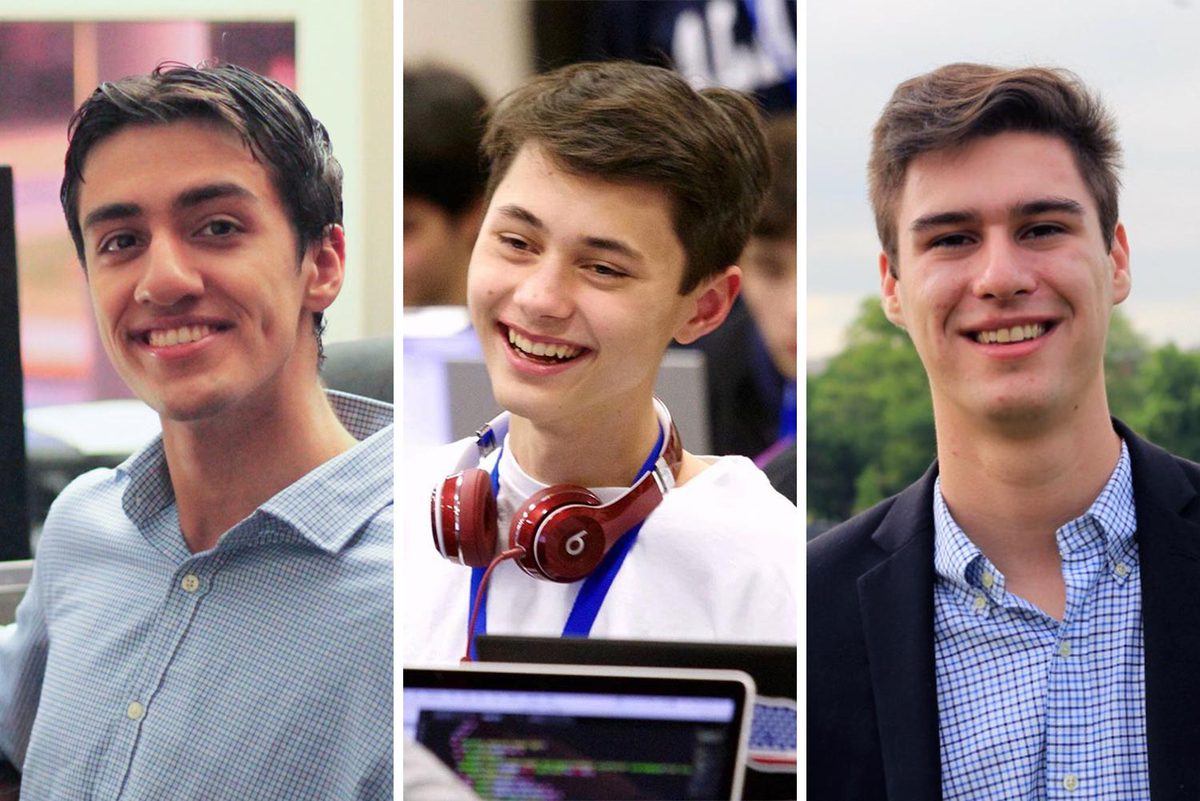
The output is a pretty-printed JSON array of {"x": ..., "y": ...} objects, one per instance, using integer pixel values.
[
  {"x": 444, "y": 183},
  {"x": 1019, "y": 623},
  {"x": 212, "y": 619},
  {"x": 619, "y": 200}
]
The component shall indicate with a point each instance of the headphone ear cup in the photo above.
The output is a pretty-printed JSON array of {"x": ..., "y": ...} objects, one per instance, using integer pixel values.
[
  {"x": 464, "y": 518},
  {"x": 564, "y": 549}
]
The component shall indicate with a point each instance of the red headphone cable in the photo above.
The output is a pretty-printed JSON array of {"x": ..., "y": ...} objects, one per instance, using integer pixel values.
[{"x": 511, "y": 553}]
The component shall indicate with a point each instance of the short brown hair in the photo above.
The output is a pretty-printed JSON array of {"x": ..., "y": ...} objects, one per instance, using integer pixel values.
[
  {"x": 949, "y": 107},
  {"x": 623, "y": 121},
  {"x": 778, "y": 217}
]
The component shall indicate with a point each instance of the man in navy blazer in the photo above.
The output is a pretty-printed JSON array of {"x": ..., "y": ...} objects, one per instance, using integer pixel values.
[{"x": 1023, "y": 621}]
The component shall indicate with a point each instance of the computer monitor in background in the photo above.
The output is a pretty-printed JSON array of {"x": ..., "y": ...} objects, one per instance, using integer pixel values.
[{"x": 14, "y": 503}]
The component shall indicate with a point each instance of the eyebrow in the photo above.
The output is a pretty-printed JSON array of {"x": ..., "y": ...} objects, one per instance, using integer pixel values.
[
  {"x": 202, "y": 194},
  {"x": 523, "y": 214},
  {"x": 1030, "y": 208},
  {"x": 597, "y": 242},
  {"x": 941, "y": 219},
  {"x": 1049, "y": 204},
  {"x": 612, "y": 246},
  {"x": 111, "y": 211},
  {"x": 186, "y": 200}
]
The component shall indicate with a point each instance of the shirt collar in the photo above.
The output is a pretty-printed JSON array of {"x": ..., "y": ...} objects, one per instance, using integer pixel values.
[
  {"x": 1112, "y": 514},
  {"x": 325, "y": 506}
]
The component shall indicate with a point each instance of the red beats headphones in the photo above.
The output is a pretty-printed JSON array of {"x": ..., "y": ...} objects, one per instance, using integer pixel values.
[{"x": 564, "y": 530}]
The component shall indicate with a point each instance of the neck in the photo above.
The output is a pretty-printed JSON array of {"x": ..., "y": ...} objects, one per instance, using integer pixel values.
[
  {"x": 1011, "y": 488},
  {"x": 596, "y": 453},
  {"x": 222, "y": 469}
]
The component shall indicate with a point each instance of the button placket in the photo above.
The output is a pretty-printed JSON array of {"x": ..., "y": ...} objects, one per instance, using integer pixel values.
[{"x": 179, "y": 605}]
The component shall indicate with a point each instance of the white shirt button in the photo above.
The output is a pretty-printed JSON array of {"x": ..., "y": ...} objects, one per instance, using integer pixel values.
[
  {"x": 190, "y": 583},
  {"x": 980, "y": 602},
  {"x": 135, "y": 711},
  {"x": 1064, "y": 648},
  {"x": 988, "y": 580},
  {"x": 1121, "y": 569},
  {"x": 1070, "y": 782}
]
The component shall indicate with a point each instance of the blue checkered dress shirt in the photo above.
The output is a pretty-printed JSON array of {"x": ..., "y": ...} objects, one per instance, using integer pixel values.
[
  {"x": 261, "y": 669},
  {"x": 1030, "y": 707}
]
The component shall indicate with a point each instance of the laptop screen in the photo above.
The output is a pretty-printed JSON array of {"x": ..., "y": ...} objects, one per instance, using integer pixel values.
[
  {"x": 771, "y": 754},
  {"x": 600, "y": 733}
]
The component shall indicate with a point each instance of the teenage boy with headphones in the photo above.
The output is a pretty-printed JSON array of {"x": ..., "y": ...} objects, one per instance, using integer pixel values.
[
  {"x": 213, "y": 618},
  {"x": 618, "y": 200}
]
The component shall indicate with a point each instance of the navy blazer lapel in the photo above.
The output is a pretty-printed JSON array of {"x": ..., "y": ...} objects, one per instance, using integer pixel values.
[
  {"x": 1168, "y": 511},
  {"x": 896, "y": 598}
]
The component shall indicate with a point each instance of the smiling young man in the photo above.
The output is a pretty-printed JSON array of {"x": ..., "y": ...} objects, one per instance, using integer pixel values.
[
  {"x": 1020, "y": 622},
  {"x": 211, "y": 619},
  {"x": 618, "y": 201}
]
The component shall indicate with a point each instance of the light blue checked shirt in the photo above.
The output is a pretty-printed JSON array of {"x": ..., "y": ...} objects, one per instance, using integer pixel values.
[
  {"x": 261, "y": 669},
  {"x": 1029, "y": 707}
]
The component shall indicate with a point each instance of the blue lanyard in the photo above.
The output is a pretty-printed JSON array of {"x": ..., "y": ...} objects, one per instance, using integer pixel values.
[
  {"x": 595, "y": 587},
  {"x": 787, "y": 413}
]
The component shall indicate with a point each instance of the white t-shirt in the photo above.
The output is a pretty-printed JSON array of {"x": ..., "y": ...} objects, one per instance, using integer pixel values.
[{"x": 715, "y": 561}]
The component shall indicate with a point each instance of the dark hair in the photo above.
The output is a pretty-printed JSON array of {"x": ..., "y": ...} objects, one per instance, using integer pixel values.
[
  {"x": 443, "y": 123},
  {"x": 623, "y": 121},
  {"x": 271, "y": 120},
  {"x": 778, "y": 217},
  {"x": 954, "y": 104}
]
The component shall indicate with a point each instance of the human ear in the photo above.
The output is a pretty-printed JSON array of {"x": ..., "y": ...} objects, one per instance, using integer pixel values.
[
  {"x": 1122, "y": 280},
  {"x": 887, "y": 288},
  {"x": 709, "y": 304},
  {"x": 328, "y": 259}
]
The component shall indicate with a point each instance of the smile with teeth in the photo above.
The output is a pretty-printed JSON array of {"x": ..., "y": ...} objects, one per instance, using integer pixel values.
[
  {"x": 543, "y": 350},
  {"x": 183, "y": 335},
  {"x": 1017, "y": 333}
]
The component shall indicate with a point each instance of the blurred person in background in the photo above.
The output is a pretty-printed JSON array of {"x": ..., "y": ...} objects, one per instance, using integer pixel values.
[
  {"x": 443, "y": 184},
  {"x": 751, "y": 359}
]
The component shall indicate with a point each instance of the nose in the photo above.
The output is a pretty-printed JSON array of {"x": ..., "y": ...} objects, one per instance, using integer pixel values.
[
  {"x": 168, "y": 277},
  {"x": 1005, "y": 271},
  {"x": 545, "y": 291}
]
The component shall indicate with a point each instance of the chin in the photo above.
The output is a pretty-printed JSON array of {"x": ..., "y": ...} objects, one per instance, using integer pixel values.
[
  {"x": 1030, "y": 414},
  {"x": 187, "y": 412},
  {"x": 518, "y": 402},
  {"x": 536, "y": 404},
  {"x": 185, "y": 407}
]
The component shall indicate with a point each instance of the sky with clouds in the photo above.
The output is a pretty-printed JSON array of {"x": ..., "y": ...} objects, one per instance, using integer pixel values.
[{"x": 1142, "y": 57}]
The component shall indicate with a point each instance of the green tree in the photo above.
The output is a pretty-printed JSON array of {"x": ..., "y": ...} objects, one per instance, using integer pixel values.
[
  {"x": 1125, "y": 355},
  {"x": 870, "y": 419},
  {"x": 1169, "y": 414}
]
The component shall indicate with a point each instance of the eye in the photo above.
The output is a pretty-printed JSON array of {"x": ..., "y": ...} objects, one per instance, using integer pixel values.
[
  {"x": 952, "y": 241},
  {"x": 1043, "y": 230},
  {"x": 607, "y": 270},
  {"x": 768, "y": 269},
  {"x": 219, "y": 228},
  {"x": 117, "y": 242},
  {"x": 514, "y": 242}
]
